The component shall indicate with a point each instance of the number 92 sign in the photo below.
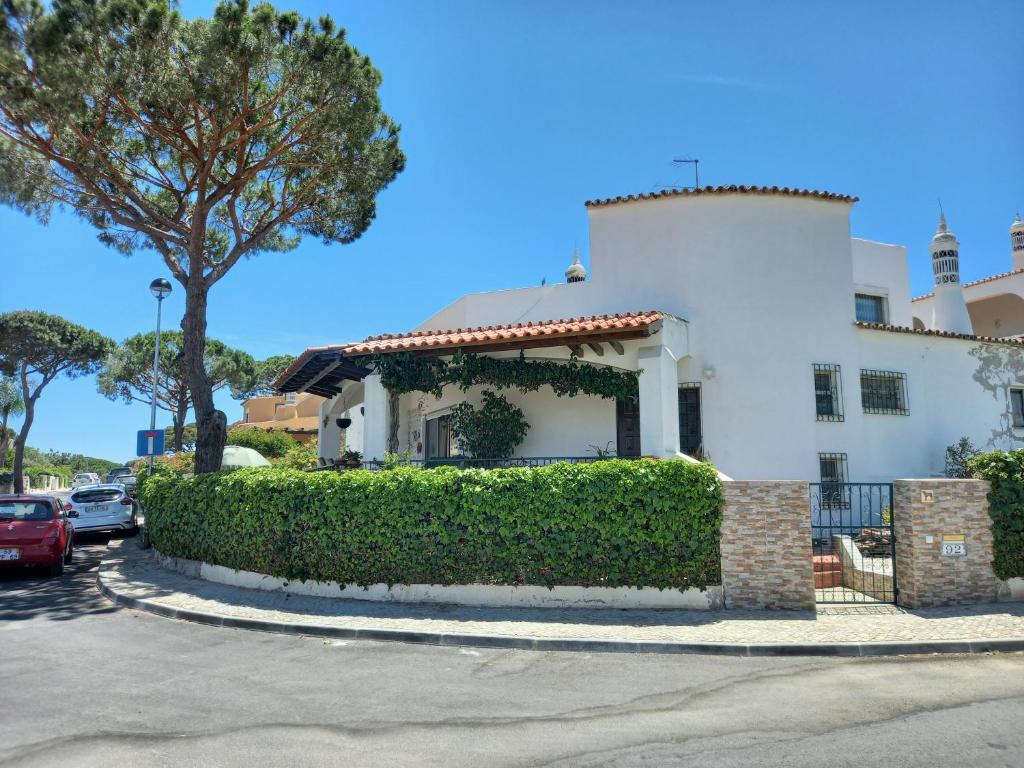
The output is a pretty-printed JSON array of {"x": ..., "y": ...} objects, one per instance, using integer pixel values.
[{"x": 953, "y": 546}]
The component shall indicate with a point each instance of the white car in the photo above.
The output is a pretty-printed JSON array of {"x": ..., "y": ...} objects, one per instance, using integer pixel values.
[
  {"x": 106, "y": 507},
  {"x": 85, "y": 478}
]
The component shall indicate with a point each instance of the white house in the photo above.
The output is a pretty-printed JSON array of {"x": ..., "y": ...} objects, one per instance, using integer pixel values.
[{"x": 767, "y": 339}]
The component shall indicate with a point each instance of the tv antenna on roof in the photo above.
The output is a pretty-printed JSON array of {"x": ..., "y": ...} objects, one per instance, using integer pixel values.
[
  {"x": 696, "y": 173},
  {"x": 696, "y": 168}
]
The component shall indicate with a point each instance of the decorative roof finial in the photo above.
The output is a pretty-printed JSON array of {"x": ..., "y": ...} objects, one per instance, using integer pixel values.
[{"x": 576, "y": 273}]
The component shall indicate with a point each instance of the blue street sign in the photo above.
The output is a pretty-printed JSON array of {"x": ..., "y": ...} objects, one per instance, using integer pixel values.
[{"x": 150, "y": 442}]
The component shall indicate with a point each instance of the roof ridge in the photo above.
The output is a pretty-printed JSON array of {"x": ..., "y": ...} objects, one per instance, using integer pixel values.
[
  {"x": 505, "y": 326},
  {"x": 942, "y": 334},
  {"x": 724, "y": 190},
  {"x": 979, "y": 281}
]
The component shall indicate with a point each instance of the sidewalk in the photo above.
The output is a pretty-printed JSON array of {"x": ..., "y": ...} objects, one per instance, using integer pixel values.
[{"x": 130, "y": 577}]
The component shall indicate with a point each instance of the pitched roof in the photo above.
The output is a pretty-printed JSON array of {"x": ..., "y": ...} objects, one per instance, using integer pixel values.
[
  {"x": 487, "y": 335},
  {"x": 941, "y": 334},
  {"x": 729, "y": 190},
  {"x": 979, "y": 281},
  {"x": 320, "y": 369}
]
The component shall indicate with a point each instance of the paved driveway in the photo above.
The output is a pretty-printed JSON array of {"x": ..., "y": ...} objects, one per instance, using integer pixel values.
[{"x": 86, "y": 684}]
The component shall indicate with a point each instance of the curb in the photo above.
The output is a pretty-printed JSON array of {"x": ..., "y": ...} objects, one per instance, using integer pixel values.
[{"x": 898, "y": 648}]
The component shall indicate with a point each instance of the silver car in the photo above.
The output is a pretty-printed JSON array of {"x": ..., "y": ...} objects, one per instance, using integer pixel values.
[{"x": 104, "y": 507}]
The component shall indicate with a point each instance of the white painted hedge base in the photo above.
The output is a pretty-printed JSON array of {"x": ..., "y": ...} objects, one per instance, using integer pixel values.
[{"x": 476, "y": 595}]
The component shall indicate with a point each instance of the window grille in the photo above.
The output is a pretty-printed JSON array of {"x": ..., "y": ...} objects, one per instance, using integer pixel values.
[
  {"x": 828, "y": 392},
  {"x": 884, "y": 392},
  {"x": 870, "y": 309},
  {"x": 834, "y": 472},
  {"x": 1017, "y": 406}
]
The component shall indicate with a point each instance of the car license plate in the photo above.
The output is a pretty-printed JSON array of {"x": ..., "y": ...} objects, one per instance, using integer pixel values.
[
  {"x": 10, "y": 554},
  {"x": 100, "y": 507}
]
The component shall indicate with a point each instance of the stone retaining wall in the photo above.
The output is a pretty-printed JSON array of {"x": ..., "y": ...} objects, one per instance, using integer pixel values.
[{"x": 766, "y": 545}]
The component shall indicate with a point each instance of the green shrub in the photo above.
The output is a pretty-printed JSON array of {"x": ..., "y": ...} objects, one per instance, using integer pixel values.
[
  {"x": 610, "y": 523},
  {"x": 271, "y": 444},
  {"x": 494, "y": 431},
  {"x": 36, "y": 472},
  {"x": 302, "y": 456},
  {"x": 1005, "y": 470}
]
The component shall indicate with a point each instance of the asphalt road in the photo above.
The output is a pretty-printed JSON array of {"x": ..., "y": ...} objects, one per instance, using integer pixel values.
[{"x": 83, "y": 683}]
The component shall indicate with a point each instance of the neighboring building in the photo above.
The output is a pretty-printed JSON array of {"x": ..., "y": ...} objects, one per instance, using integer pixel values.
[
  {"x": 995, "y": 304},
  {"x": 767, "y": 339},
  {"x": 296, "y": 414}
]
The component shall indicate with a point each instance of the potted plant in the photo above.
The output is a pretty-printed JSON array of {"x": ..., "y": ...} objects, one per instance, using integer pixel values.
[{"x": 352, "y": 459}]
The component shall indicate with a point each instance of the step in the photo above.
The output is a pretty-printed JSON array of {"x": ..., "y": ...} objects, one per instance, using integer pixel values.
[
  {"x": 825, "y": 579},
  {"x": 826, "y": 563}
]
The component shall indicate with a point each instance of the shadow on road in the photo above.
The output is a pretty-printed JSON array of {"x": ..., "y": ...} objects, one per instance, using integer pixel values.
[{"x": 29, "y": 593}]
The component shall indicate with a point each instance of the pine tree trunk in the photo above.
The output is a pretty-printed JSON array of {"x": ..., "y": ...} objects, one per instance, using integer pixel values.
[
  {"x": 180, "y": 415},
  {"x": 211, "y": 424},
  {"x": 19, "y": 446}
]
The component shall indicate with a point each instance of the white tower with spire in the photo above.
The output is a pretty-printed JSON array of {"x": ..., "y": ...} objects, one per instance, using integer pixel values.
[
  {"x": 1017, "y": 242},
  {"x": 949, "y": 310},
  {"x": 576, "y": 273}
]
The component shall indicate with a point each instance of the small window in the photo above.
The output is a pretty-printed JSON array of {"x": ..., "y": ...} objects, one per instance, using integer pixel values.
[
  {"x": 828, "y": 392},
  {"x": 1017, "y": 405},
  {"x": 871, "y": 309},
  {"x": 289, "y": 398},
  {"x": 834, "y": 491},
  {"x": 884, "y": 392}
]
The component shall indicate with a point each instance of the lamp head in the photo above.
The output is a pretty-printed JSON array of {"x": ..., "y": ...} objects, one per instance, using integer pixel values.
[{"x": 161, "y": 288}]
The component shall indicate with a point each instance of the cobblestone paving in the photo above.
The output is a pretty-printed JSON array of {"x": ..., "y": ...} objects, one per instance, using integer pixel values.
[{"x": 132, "y": 572}]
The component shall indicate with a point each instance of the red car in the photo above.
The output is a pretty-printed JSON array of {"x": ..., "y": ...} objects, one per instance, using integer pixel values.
[{"x": 35, "y": 530}]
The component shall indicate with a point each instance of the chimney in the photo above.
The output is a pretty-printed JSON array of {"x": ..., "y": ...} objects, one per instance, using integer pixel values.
[{"x": 949, "y": 310}]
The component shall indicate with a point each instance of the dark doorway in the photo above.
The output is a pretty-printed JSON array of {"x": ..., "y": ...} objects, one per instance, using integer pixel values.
[
  {"x": 627, "y": 426},
  {"x": 691, "y": 437}
]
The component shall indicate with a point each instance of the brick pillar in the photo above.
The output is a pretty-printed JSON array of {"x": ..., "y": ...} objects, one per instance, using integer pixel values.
[
  {"x": 766, "y": 545},
  {"x": 924, "y": 510}
]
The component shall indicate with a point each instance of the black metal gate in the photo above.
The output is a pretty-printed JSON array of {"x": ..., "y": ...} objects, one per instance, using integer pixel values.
[{"x": 853, "y": 543}]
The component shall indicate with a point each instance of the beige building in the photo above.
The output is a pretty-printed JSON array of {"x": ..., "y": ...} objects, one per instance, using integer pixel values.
[{"x": 296, "y": 414}]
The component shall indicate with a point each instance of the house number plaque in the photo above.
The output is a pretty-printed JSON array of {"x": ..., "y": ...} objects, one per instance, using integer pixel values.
[{"x": 953, "y": 545}]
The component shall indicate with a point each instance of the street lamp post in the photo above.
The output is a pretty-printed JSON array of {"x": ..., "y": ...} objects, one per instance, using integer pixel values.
[{"x": 161, "y": 288}]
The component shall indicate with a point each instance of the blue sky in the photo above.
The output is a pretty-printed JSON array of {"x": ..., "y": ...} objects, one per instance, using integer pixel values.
[{"x": 514, "y": 114}]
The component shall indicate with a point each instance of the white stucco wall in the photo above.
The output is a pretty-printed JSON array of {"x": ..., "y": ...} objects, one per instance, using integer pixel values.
[
  {"x": 880, "y": 269},
  {"x": 955, "y": 388}
]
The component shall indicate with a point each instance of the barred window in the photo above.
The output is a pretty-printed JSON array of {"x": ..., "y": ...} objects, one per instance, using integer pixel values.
[
  {"x": 884, "y": 392},
  {"x": 870, "y": 309},
  {"x": 828, "y": 392},
  {"x": 1017, "y": 406},
  {"x": 834, "y": 471}
]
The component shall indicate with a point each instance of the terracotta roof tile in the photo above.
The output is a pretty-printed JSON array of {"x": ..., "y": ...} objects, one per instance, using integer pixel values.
[
  {"x": 941, "y": 334},
  {"x": 979, "y": 281},
  {"x": 457, "y": 337},
  {"x": 729, "y": 190}
]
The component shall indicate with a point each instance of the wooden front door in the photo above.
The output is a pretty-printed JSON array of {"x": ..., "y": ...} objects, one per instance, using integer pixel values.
[{"x": 627, "y": 427}]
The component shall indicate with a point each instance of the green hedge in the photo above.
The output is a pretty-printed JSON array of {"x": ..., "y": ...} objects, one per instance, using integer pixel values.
[
  {"x": 610, "y": 523},
  {"x": 1005, "y": 469}
]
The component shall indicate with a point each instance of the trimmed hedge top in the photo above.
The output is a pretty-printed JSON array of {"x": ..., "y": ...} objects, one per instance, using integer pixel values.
[
  {"x": 1005, "y": 470},
  {"x": 610, "y": 523}
]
